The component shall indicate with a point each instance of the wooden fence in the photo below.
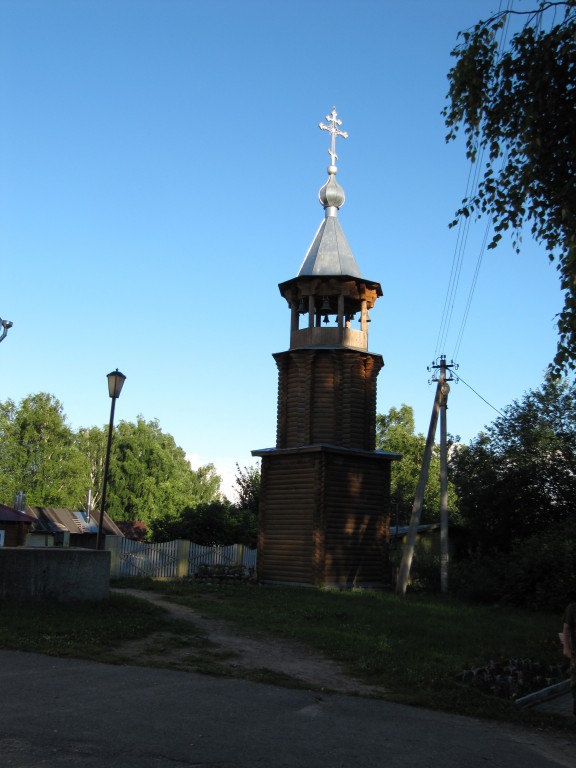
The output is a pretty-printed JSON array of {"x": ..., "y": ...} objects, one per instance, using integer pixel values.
[{"x": 172, "y": 559}]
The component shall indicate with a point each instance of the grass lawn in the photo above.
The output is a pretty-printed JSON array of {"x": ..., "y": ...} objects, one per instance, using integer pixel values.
[
  {"x": 80, "y": 630},
  {"x": 415, "y": 647}
]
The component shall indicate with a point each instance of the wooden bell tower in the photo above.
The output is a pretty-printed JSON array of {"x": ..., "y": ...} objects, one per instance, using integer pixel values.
[{"x": 325, "y": 490}]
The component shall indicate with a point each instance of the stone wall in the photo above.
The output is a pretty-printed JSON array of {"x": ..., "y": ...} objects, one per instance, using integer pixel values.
[{"x": 54, "y": 573}]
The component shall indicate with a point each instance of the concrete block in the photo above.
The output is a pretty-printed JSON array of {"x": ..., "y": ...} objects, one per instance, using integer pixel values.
[{"x": 54, "y": 573}]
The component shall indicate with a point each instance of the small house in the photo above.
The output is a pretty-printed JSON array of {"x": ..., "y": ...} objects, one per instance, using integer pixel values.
[
  {"x": 15, "y": 526},
  {"x": 70, "y": 527}
]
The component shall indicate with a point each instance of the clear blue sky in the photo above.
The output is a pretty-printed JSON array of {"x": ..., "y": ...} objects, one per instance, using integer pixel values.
[{"x": 159, "y": 168}]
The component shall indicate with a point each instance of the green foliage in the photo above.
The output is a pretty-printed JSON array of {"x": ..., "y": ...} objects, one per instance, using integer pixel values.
[
  {"x": 395, "y": 433},
  {"x": 536, "y": 574},
  {"x": 248, "y": 487},
  {"x": 215, "y": 523},
  {"x": 545, "y": 566},
  {"x": 425, "y": 566},
  {"x": 150, "y": 476},
  {"x": 92, "y": 444},
  {"x": 481, "y": 577},
  {"x": 248, "y": 505},
  {"x": 517, "y": 488},
  {"x": 518, "y": 478},
  {"x": 518, "y": 109},
  {"x": 39, "y": 454}
]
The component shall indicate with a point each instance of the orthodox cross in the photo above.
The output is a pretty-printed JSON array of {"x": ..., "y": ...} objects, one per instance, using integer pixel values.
[{"x": 334, "y": 131}]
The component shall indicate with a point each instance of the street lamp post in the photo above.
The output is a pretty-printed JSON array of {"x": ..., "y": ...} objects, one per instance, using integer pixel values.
[
  {"x": 115, "y": 383},
  {"x": 5, "y": 325}
]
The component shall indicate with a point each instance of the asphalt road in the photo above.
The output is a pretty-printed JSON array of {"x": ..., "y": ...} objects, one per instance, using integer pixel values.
[{"x": 59, "y": 713}]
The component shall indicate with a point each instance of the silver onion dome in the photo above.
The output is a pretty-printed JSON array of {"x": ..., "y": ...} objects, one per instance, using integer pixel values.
[{"x": 332, "y": 195}]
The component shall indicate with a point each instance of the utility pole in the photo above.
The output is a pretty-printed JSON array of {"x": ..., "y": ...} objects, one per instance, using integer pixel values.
[
  {"x": 444, "y": 551},
  {"x": 444, "y": 546},
  {"x": 440, "y": 404}
]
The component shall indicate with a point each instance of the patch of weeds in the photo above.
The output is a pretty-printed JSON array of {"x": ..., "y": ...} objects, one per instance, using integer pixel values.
[{"x": 513, "y": 678}]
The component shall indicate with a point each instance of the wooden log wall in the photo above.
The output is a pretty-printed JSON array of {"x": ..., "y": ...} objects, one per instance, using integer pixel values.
[
  {"x": 324, "y": 518},
  {"x": 288, "y": 504},
  {"x": 356, "y": 520},
  {"x": 327, "y": 396}
]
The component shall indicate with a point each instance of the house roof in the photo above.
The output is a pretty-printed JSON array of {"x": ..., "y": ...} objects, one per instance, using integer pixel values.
[
  {"x": 135, "y": 530},
  {"x": 11, "y": 515},
  {"x": 57, "y": 520},
  {"x": 402, "y": 530}
]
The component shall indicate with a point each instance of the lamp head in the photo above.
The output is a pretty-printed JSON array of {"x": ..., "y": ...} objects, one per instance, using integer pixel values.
[{"x": 115, "y": 383}]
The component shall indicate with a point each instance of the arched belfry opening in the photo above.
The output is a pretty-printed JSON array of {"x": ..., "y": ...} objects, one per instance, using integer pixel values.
[{"x": 325, "y": 490}]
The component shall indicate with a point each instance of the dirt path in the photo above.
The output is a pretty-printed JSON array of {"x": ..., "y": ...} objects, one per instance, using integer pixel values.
[{"x": 215, "y": 646}]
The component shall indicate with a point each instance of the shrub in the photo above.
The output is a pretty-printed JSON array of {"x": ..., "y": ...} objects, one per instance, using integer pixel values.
[{"x": 537, "y": 573}]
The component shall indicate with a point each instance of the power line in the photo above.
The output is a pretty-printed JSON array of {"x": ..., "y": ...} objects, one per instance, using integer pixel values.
[
  {"x": 461, "y": 244},
  {"x": 457, "y": 260},
  {"x": 472, "y": 288},
  {"x": 459, "y": 378}
]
